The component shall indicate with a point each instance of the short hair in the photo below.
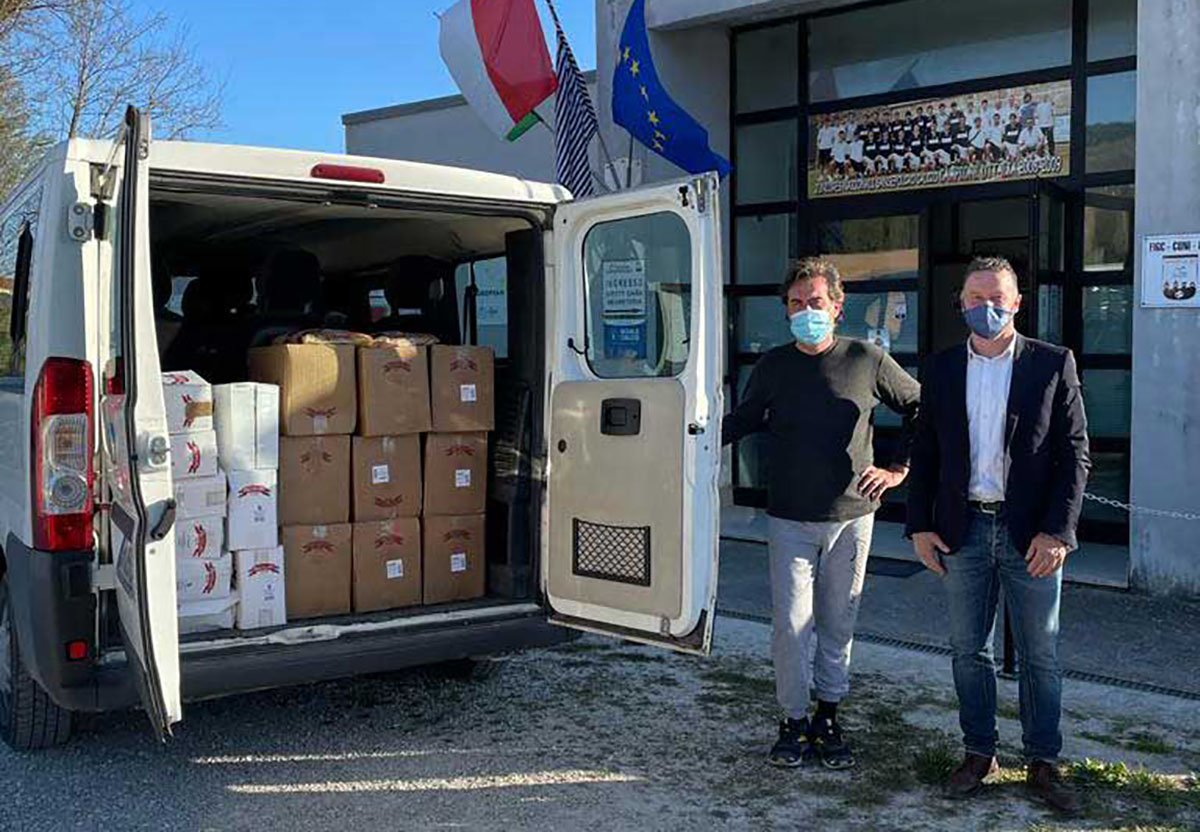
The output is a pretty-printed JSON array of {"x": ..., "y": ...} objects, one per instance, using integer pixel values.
[
  {"x": 808, "y": 268},
  {"x": 999, "y": 265}
]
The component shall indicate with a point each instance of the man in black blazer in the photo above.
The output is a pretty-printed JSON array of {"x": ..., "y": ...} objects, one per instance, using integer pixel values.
[{"x": 999, "y": 466}]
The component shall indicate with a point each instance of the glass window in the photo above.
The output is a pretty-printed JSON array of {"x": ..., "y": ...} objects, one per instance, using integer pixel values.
[
  {"x": 1050, "y": 314},
  {"x": 753, "y": 459},
  {"x": 762, "y": 324},
  {"x": 1106, "y": 396},
  {"x": 897, "y": 47},
  {"x": 766, "y": 162},
  {"x": 888, "y": 319},
  {"x": 491, "y": 301},
  {"x": 767, "y": 68},
  {"x": 764, "y": 246},
  {"x": 879, "y": 248},
  {"x": 638, "y": 273},
  {"x": 18, "y": 233},
  {"x": 1112, "y": 29},
  {"x": 1109, "y": 477},
  {"x": 1107, "y": 319},
  {"x": 1108, "y": 228},
  {"x": 1111, "y": 110}
]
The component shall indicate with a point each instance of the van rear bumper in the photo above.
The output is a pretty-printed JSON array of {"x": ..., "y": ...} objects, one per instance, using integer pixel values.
[{"x": 52, "y": 603}]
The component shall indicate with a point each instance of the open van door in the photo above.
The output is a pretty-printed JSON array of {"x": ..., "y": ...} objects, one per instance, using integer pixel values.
[
  {"x": 635, "y": 406},
  {"x": 136, "y": 444}
]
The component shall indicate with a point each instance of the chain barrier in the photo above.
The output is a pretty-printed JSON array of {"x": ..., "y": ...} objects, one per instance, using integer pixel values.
[{"x": 1131, "y": 508}]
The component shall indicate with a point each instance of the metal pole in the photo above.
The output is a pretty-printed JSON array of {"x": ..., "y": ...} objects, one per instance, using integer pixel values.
[{"x": 629, "y": 163}]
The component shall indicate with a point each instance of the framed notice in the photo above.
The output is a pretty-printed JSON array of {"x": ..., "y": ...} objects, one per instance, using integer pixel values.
[
  {"x": 1170, "y": 269},
  {"x": 623, "y": 288},
  {"x": 1000, "y": 135}
]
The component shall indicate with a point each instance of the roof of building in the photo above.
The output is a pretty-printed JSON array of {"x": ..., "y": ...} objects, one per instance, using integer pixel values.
[{"x": 446, "y": 102}]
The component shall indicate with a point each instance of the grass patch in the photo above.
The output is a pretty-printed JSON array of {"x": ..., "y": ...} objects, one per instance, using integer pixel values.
[
  {"x": 1119, "y": 791},
  {"x": 934, "y": 763},
  {"x": 1144, "y": 742}
]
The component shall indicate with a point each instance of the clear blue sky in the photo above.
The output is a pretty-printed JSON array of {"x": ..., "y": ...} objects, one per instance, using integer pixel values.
[{"x": 293, "y": 68}]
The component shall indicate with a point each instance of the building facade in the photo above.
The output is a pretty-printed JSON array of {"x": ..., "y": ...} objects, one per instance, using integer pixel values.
[{"x": 902, "y": 138}]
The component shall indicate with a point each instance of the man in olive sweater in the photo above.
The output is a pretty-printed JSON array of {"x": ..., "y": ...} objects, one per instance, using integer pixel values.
[{"x": 814, "y": 398}]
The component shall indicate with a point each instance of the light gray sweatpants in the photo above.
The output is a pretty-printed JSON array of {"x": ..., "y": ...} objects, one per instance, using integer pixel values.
[{"x": 817, "y": 572}]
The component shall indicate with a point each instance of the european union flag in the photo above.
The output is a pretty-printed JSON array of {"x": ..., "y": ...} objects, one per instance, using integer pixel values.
[{"x": 643, "y": 107}]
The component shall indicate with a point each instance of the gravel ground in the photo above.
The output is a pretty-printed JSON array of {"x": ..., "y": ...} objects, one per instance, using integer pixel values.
[{"x": 595, "y": 735}]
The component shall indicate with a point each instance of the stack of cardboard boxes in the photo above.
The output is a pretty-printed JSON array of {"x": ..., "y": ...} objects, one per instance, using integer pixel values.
[
  {"x": 351, "y": 491},
  {"x": 203, "y": 570},
  {"x": 247, "y": 422}
]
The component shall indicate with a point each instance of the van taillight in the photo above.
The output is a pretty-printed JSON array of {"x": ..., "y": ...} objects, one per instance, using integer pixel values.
[
  {"x": 347, "y": 173},
  {"x": 62, "y": 456}
]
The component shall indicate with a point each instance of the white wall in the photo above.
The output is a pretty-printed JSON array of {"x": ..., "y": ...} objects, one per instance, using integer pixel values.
[{"x": 1166, "y": 378}]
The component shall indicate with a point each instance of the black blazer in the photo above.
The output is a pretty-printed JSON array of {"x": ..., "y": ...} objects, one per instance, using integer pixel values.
[{"x": 1045, "y": 440}]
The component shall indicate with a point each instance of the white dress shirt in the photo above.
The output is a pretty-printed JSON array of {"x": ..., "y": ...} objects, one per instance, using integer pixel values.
[{"x": 988, "y": 381}]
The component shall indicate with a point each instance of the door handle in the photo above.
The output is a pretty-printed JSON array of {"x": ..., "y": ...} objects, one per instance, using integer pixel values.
[
  {"x": 166, "y": 521},
  {"x": 695, "y": 429}
]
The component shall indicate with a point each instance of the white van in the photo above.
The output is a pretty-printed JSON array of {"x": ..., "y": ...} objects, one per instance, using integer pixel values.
[{"x": 606, "y": 315}]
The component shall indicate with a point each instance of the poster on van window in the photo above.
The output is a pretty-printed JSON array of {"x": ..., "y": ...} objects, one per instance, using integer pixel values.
[
  {"x": 1001, "y": 135},
  {"x": 623, "y": 307},
  {"x": 491, "y": 299}
]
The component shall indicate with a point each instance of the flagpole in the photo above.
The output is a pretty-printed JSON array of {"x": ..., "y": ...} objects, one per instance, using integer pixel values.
[
  {"x": 629, "y": 163},
  {"x": 608, "y": 160}
]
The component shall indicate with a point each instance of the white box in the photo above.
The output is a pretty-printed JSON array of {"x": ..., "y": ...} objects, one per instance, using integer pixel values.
[
  {"x": 200, "y": 537},
  {"x": 200, "y": 580},
  {"x": 200, "y": 497},
  {"x": 203, "y": 616},
  {"x": 247, "y": 420},
  {"x": 189, "y": 402},
  {"x": 253, "y": 511},
  {"x": 260, "y": 587},
  {"x": 194, "y": 454}
]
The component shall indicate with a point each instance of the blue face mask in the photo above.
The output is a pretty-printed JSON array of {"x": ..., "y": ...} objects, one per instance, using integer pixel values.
[
  {"x": 988, "y": 321},
  {"x": 811, "y": 326}
]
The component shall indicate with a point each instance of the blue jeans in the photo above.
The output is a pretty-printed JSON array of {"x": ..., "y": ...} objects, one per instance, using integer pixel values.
[{"x": 986, "y": 562}]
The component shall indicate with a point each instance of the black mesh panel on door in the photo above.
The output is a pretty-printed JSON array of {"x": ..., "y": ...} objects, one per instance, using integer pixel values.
[{"x": 612, "y": 553}]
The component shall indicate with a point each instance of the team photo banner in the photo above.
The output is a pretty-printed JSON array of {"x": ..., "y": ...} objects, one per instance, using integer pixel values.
[{"x": 996, "y": 136}]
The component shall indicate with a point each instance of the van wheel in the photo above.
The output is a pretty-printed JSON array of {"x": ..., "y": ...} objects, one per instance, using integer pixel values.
[{"x": 28, "y": 718}]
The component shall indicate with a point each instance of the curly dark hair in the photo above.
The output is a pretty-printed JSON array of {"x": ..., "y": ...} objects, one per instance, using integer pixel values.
[{"x": 807, "y": 268}]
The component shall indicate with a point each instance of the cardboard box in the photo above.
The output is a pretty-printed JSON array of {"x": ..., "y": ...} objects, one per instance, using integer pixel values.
[
  {"x": 317, "y": 390},
  {"x": 387, "y": 477},
  {"x": 314, "y": 480},
  {"x": 205, "y": 616},
  {"x": 393, "y": 390},
  {"x": 194, "y": 454},
  {"x": 462, "y": 388},
  {"x": 200, "y": 537},
  {"x": 260, "y": 588},
  {"x": 247, "y": 425},
  {"x": 188, "y": 398},
  {"x": 198, "y": 580},
  {"x": 387, "y": 564},
  {"x": 253, "y": 511},
  {"x": 456, "y": 473},
  {"x": 200, "y": 497},
  {"x": 317, "y": 562},
  {"x": 452, "y": 563}
]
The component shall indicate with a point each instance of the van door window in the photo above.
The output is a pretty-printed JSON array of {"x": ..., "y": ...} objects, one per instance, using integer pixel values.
[
  {"x": 491, "y": 300},
  {"x": 18, "y": 233},
  {"x": 638, "y": 274}
]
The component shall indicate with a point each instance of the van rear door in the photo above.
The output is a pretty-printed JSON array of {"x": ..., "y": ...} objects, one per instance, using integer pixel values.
[
  {"x": 635, "y": 409},
  {"x": 136, "y": 445}
]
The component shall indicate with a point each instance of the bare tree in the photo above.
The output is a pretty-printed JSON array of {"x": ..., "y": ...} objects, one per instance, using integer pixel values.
[
  {"x": 85, "y": 62},
  {"x": 20, "y": 146}
]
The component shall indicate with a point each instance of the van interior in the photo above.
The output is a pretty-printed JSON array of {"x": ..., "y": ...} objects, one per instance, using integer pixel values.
[{"x": 232, "y": 272}]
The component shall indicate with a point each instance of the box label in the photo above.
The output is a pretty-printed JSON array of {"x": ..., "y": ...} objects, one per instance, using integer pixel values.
[
  {"x": 466, "y": 393},
  {"x": 395, "y": 569},
  {"x": 462, "y": 478},
  {"x": 380, "y": 474},
  {"x": 458, "y": 562}
]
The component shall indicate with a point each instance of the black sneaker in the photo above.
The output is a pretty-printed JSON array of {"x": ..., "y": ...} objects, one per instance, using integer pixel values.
[
  {"x": 792, "y": 748},
  {"x": 829, "y": 745}
]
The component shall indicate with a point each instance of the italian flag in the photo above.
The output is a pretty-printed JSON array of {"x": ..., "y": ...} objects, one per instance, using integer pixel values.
[{"x": 497, "y": 54}]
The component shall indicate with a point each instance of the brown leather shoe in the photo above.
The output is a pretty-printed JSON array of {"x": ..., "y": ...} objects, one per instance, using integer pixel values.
[
  {"x": 1044, "y": 782},
  {"x": 968, "y": 778}
]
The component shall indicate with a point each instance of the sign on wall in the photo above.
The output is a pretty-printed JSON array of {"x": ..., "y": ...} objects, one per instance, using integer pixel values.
[
  {"x": 1169, "y": 271},
  {"x": 997, "y": 136}
]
